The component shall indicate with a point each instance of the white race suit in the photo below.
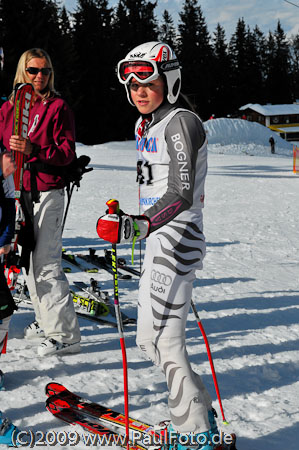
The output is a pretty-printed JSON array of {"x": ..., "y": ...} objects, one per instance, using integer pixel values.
[{"x": 172, "y": 166}]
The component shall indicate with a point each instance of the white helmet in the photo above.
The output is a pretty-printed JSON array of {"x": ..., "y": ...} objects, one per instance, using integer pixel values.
[{"x": 147, "y": 62}]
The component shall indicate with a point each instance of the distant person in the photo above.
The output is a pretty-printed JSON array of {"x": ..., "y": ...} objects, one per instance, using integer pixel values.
[
  {"x": 7, "y": 305},
  {"x": 212, "y": 117},
  {"x": 49, "y": 148},
  {"x": 272, "y": 144},
  {"x": 172, "y": 165}
]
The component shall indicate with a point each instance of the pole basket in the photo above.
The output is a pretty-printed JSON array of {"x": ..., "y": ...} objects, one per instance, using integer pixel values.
[{"x": 295, "y": 159}]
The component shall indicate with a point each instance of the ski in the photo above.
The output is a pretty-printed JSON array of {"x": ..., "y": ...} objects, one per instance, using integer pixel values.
[
  {"x": 22, "y": 106},
  {"x": 101, "y": 262},
  {"x": 91, "y": 306},
  {"x": 141, "y": 433},
  {"x": 23, "y": 95},
  {"x": 121, "y": 264},
  {"x": 87, "y": 308},
  {"x": 103, "y": 436},
  {"x": 94, "y": 292},
  {"x": 71, "y": 259}
]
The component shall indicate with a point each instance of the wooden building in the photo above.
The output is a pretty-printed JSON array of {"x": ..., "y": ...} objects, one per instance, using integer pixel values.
[{"x": 282, "y": 119}]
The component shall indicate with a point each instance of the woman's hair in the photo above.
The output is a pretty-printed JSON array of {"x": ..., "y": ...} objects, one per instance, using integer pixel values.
[{"x": 21, "y": 74}]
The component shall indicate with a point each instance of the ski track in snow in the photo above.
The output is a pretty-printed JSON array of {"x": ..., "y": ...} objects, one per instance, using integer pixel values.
[{"x": 247, "y": 297}]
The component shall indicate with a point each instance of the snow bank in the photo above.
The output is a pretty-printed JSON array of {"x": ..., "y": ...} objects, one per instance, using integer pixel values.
[{"x": 240, "y": 136}]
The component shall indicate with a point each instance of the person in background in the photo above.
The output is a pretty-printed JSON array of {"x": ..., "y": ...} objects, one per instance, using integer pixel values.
[
  {"x": 49, "y": 149},
  {"x": 272, "y": 144},
  {"x": 171, "y": 165},
  {"x": 7, "y": 305}
]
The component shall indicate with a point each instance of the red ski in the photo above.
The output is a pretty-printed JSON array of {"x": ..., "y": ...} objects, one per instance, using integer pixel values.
[
  {"x": 64, "y": 410},
  {"x": 22, "y": 105},
  {"x": 142, "y": 435},
  {"x": 23, "y": 95}
]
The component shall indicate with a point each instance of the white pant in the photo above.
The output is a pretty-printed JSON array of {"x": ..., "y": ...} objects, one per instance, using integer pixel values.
[
  {"x": 47, "y": 283},
  {"x": 173, "y": 253},
  {"x": 4, "y": 325}
]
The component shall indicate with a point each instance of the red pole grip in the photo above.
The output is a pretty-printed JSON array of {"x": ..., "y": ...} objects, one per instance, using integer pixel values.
[{"x": 113, "y": 206}]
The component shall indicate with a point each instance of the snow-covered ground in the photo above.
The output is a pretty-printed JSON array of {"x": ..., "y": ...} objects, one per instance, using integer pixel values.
[{"x": 247, "y": 297}]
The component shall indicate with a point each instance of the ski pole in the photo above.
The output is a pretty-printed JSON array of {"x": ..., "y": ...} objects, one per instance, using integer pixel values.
[
  {"x": 139, "y": 180},
  {"x": 113, "y": 208},
  {"x": 69, "y": 196},
  {"x": 74, "y": 176},
  {"x": 210, "y": 359}
]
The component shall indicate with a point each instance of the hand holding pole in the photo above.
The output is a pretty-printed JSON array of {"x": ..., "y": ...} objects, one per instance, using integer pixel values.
[{"x": 113, "y": 208}]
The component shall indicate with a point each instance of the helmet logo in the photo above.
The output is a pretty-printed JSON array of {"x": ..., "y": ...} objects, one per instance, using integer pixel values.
[
  {"x": 137, "y": 55},
  {"x": 163, "y": 54}
]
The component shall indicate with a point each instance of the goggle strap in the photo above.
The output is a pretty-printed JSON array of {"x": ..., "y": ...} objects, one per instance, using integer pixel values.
[{"x": 166, "y": 66}]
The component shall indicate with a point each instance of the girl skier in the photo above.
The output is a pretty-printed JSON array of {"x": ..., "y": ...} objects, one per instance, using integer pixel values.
[{"x": 172, "y": 165}]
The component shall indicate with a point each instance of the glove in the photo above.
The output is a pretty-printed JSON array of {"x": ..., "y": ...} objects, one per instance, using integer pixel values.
[{"x": 122, "y": 228}]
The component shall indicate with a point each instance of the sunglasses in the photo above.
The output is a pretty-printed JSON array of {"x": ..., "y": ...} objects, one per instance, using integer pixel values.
[{"x": 35, "y": 70}]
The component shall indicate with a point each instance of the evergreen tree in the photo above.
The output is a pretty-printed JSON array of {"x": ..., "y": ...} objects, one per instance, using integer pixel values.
[
  {"x": 254, "y": 66},
  {"x": 66, "y": 58},
  {"x": 294, "y": 51},
  {"x": 278, "y": 78},
  {"x": 237, "y": 51},
  {"x": 26, "y": 24},
  {"x": 221, "y": 96},
  {"x": 247, "y": 53},
  {"x": 261, "y": 48},
  {"x": 94, "y": 69},
  {"x": 167, "y": 32},
  {"x": 195, "y": 55},
  {"x": 270, "y": 67},
  {"x": 134, "y": 23}
]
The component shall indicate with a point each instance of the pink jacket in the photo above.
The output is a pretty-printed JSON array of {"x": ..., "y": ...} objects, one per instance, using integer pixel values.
[{"x": 52, "y": 130}]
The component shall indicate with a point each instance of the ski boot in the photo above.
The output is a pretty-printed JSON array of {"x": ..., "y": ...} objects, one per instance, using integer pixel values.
[
  {"x": 173, "y": 440},
  {"x": 212, "y": 414},
  {"x": 7, "y": 429},
  {"x": 190, "y": 441},
  {"x": 222, "y": 440},
  {"x": 209, "y": 440}
]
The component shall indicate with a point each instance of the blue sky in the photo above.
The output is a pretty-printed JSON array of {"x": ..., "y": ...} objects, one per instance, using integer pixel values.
[{"x": 264, "y": 13}]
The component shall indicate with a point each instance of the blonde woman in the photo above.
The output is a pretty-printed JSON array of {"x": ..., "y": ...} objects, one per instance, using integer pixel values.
[{"x": 49, "y": 148}]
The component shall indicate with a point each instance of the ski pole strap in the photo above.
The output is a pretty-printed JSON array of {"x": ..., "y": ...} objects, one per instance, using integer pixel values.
[{"x": 136, "y": 234}]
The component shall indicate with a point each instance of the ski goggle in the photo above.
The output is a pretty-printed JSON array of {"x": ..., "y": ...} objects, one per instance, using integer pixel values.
[
  {"x": 143, "y": 71},
  {"x": 35, "y": 70}
]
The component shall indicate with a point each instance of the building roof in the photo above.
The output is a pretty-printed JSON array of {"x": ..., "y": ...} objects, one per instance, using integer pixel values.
[
  {"x": 287, "y": 129},
  {"x": 272, "y": 110}
]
